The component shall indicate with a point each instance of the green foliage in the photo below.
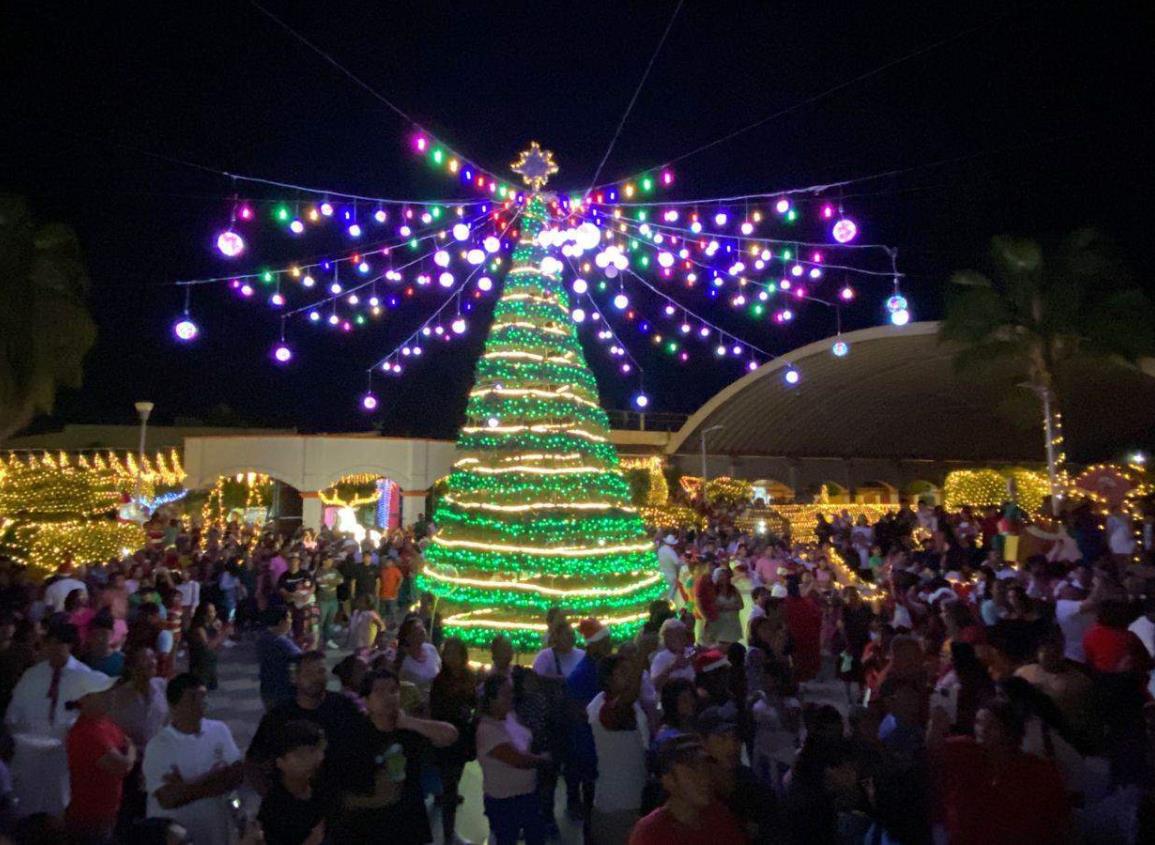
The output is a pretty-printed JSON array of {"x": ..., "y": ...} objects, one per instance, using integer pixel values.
[
  {"x": 1034, "y": 314},
  {"x": 45, "y": 327}
]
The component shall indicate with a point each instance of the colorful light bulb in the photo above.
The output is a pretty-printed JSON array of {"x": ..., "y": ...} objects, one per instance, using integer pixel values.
[
  {"x": 840, "y": 348},
  {"x": 845, "y": 230},
  {"x": 185, "y": 329},
  {"x": 230, "y": 244}
]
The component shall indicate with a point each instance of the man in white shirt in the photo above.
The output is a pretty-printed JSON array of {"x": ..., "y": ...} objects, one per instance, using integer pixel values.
[
  {"x": 39, "y": 723},
  {"x": 621, "y": 736},
  {"x": 670, "y": 564},
  {"x": 560, "y": 658},
  {"x": 192, "y": 766},
  {"x": 1144, "y": 629},
  {"x": 1074, "y": 614},
  {"x": 56, "y": 592}
]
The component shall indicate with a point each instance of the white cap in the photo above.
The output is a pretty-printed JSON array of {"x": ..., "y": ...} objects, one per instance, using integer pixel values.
[{"x": 89, "y": 683}]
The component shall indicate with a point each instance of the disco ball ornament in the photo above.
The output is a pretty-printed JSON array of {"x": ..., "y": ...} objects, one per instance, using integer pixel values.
[
  {"x": 230, "y": 244},
  {"x": 896, "y": 303},
  {"x": 845, "y": 230},
  {"x": 840, "y": 348}
]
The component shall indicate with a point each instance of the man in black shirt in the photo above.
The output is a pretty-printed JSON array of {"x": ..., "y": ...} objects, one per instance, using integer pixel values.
[{"x": 335, "y": 714}]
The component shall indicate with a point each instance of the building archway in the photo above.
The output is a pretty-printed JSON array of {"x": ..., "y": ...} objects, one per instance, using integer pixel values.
[
  {"x": 922, "y": 491},
  {"x": 828, "y": 492},
  {"x": 248, "y": 497},
  {"x": 772, "y": 492},
  {"x": 875, "y": 493},
  {"x": 362, "y": 504}
]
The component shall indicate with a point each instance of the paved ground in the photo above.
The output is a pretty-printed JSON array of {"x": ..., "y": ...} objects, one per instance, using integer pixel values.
[{"x": 237, "y": 702}]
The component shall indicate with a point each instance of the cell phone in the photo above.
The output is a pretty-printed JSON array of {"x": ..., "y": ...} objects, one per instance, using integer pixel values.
[{"x": 240, "y": 817}]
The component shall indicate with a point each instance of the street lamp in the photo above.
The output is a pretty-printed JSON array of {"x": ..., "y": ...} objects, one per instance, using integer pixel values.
[
  {"x": 702, "y": 439},
  {"x": 143, "y": 409}
]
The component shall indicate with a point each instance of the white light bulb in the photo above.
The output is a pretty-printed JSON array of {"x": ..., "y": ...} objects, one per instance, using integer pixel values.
[
  {"x": 461, "y": 231},
  {"x": 621, "y": 301},
  {"x": 441, "y": 258},
  {"x": 445, "y": 280},
  {"x": 491, "y": 244}
]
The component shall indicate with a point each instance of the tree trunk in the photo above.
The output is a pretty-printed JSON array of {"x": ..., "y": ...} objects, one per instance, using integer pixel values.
[{"x": 1054, "y": 442}]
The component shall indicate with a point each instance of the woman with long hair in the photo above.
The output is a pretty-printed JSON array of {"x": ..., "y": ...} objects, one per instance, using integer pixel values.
[
  {"x": 206, "y": 635},
  {"x": 452, "y": 697},
  {"x": 725, "y": 628}
]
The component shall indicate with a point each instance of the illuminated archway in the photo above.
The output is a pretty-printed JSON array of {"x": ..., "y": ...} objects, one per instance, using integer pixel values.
[{"x": 361, "y": 504}]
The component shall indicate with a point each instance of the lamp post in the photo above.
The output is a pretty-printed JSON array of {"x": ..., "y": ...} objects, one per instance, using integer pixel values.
[
  {"x": 143, "y": 409},
  {"x": 702, "y": 439}
]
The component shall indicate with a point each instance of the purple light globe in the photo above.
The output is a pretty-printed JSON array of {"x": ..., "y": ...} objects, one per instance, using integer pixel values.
[
  {"x": 369, "y": 402},
  {"x": 282, "y": 354}
]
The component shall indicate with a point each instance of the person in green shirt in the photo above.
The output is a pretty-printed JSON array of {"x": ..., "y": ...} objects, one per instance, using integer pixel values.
[{"x": 327, "y": 579}]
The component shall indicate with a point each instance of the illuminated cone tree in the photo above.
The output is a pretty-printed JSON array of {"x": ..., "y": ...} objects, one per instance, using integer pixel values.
[{"x": 537, "y": 512}]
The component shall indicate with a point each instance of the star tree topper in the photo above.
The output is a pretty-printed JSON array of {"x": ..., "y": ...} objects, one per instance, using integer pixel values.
[{"x": 535, "y": 166}]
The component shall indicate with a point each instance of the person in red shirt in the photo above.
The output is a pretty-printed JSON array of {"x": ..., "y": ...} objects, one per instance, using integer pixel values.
[
  {"x": 991, "y": 791},
  {"x": 804, "y": 622},
  {"x": 691, "y": 814},
  {"x": 1111, "y": 648},
  {"x": 100, "y": 756}
]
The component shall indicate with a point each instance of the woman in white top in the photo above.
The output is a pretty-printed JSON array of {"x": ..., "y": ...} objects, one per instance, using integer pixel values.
[
  {"x": 560, "y": 658},
  {"x": 673, "y": 661},
  {"x": 508, "y": 768},
  {"x": 417, "y": 659}
]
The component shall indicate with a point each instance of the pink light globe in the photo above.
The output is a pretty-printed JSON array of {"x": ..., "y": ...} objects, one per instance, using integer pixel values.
[
  {"x": 230, "y": 244},
  {"x": 845, "y": 230}
]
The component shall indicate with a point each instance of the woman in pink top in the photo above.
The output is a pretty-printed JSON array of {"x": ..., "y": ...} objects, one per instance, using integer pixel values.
[{"x": 115, "y": 598}]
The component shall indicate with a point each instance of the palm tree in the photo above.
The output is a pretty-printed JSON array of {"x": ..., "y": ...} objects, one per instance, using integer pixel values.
[
  {"x": 1034, "y": 318},
  {"x": 45, "y": 327}
]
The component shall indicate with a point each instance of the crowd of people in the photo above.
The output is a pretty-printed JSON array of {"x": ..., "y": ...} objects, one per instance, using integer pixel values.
[{"x": 899, "y": 682}]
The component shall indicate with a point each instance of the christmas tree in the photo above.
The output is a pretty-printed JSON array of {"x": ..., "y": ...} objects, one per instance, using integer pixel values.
[{"x": 537, "y": 513}]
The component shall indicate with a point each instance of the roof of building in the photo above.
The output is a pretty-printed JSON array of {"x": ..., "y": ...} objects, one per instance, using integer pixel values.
[{"x": 897, "y": 395}]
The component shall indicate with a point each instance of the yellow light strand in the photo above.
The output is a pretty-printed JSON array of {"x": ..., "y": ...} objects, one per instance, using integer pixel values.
[
  {"x": 529, "y": 391},
  {"x": 531, "y": 506},
  {"x": 563, "y": 551},
  {"x": 475, "y": 619},
  {"x": 527, "y": 587},
  {"x": 542, "y": 428}
]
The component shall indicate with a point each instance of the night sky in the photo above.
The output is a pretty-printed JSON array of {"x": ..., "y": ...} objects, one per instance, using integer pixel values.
[{"x": 1041, "y": 114}]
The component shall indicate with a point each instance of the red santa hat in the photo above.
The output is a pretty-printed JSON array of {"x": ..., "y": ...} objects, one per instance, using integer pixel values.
[
  {"x": 592, "y": 630},
  {"x": 709, "y": 660}
]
